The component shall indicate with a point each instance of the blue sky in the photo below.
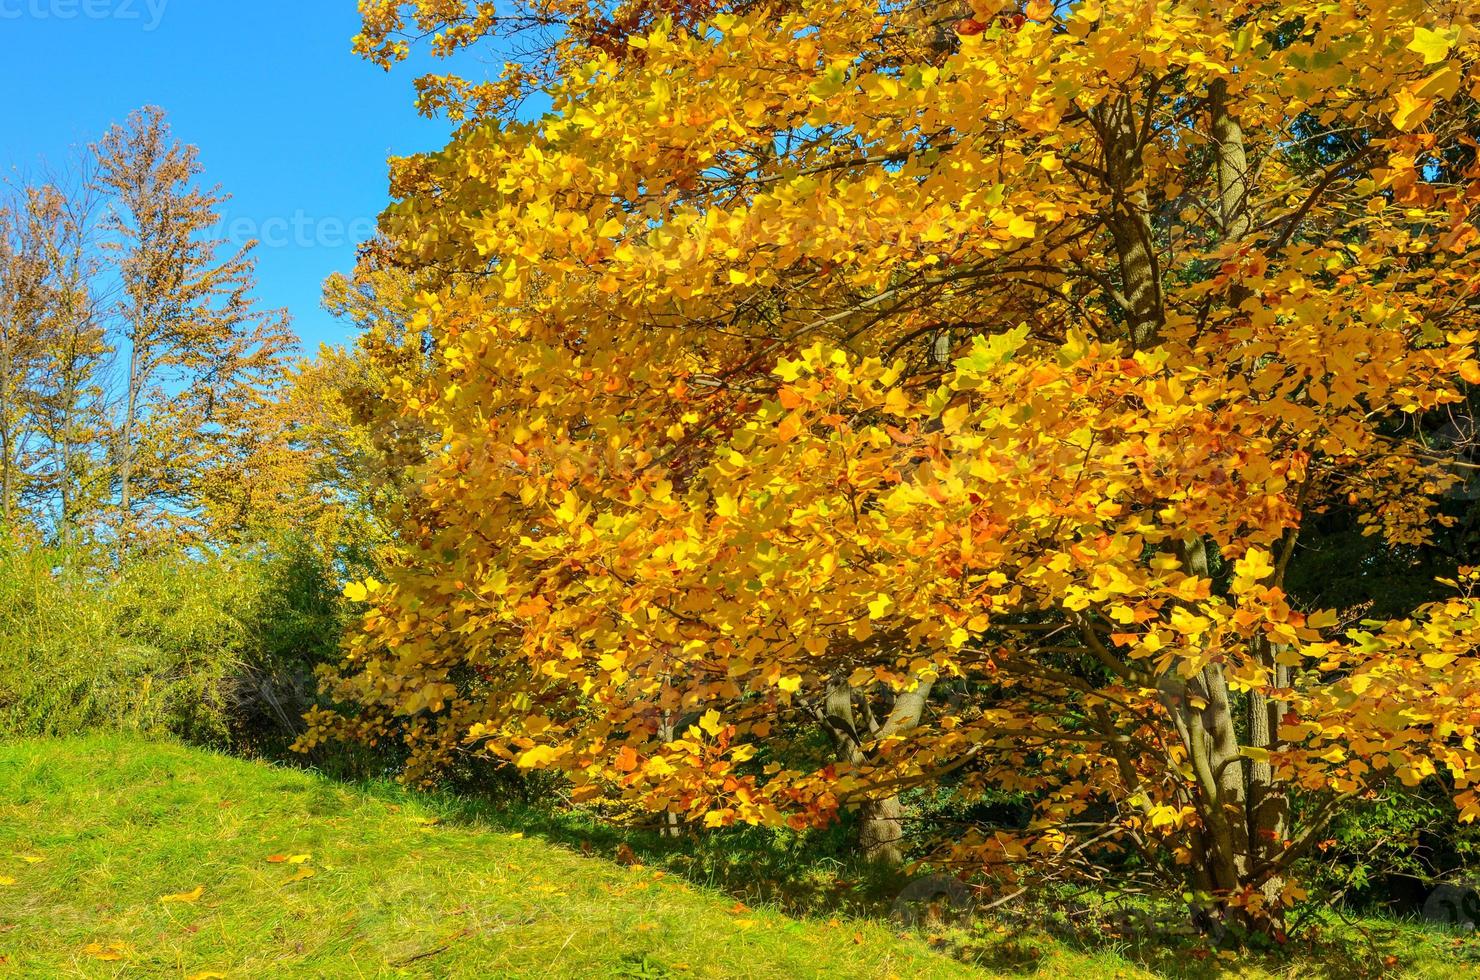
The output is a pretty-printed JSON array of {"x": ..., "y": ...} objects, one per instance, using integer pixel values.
[{"x": 289, "y": 122}]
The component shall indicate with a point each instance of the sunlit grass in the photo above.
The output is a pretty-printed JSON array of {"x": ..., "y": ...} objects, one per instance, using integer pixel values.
[
  {"x": 105, "y": 841},
  {"x": 94, "y": 833}
]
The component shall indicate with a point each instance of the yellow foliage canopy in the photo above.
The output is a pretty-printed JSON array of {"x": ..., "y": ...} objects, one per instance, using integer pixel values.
[{"x": 822, "y": 346}]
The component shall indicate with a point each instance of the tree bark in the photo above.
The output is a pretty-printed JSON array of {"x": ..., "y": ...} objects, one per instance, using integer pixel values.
[
  {"x": 881, "y": 820},
  {"x": 1129, "y": 219}
]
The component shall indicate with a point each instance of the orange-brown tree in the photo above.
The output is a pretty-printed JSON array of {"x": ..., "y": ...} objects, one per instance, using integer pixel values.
[{"x": 200, "y": 356}]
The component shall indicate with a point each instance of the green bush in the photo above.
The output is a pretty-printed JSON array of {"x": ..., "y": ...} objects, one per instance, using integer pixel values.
[
  {"x": 214, "y": 649},
  {"x": 149, "y": 648},
  {"x": 294, "y": 621}
]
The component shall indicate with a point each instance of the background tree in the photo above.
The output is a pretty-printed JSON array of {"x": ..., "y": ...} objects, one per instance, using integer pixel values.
[{"x": 199, "y": 353}]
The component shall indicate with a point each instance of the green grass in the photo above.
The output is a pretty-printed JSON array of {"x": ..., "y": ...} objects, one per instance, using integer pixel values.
[
  {"x": 95, "y": 832},
  {"x": 118, "y": 825}
]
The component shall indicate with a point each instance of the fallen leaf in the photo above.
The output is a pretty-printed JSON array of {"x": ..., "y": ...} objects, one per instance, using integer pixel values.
[
  {"x": 302, "y": 874},
  {"x": 185, "y": 898},
  {"x": 31, "y": 858},
  {"x": 6, "y": 882},
  {"x": 858, "y": 939},
  {"x": 111, "y": 952},
  {"x": 277, "y": 859},
  {"x": 208, "y": 975},
  {"x": 300, "y": 858}
]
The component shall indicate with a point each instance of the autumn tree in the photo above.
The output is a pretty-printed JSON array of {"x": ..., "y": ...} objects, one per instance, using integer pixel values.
[
  {"x": 70, "y": 410},
  {"x": 962, "y": 380},
  {"x": 22, "y": 301},
  {"x": 200, "y": 355}
]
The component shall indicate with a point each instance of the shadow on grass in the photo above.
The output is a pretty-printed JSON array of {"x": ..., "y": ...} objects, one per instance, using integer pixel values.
[
  {"x": 1019, "y": 939},
  {"x": 810, "y": 875}
]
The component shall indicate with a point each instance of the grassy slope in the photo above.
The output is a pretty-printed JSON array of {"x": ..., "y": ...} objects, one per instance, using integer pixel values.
[
  {"x": 118, "y": 825},
  {"x": 409, "y": 885}
]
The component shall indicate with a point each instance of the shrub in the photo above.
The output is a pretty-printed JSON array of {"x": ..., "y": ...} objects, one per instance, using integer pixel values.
[
  {"x": 216, "y": 649},
  {"x": 148, "y": 648}
]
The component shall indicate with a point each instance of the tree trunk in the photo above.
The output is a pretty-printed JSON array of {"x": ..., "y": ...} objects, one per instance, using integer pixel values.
[
  {"x": 1129, "y": 220},
  {"x": 881, "y": 820},
  {"x": 130, "y": 421},
  {"x": 881, "y": 830}
]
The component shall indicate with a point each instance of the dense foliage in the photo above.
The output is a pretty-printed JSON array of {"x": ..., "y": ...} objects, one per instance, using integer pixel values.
[
  {"x": 218, "y": 650},
  {"x": 961, "y": 382}
]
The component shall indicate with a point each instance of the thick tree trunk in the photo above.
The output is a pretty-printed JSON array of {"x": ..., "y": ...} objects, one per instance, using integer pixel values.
[
  {"x": 881, "y": 820},
  {"x": 881, "y": 830}
]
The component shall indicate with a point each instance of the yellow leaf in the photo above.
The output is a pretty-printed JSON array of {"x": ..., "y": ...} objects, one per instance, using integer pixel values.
[
  {"x": 790, "y": 684},
  {"x": 540, "y": 755},
  {"x": 207, "y": 975},
  {"x": 6, "y": 881},
  {"x": 185, "y": 898},
  {"x": 302, "y": 874},
  {"x": 710, "y": 723},
  {"x": 1442, "y": 84},
  {"x": 1438, "y": 661},
  {"x": 1323, "y": 620},
  {"x": 111, "y": 953},
  {"x": 1254, "y": 567},
  {"x": 1433, "y": 45},
  {"x": 1411, "y": 111},
  {"x": 1022, "y": 227},
  {"x": 299, "y": 858},
  {"x": 882, "y": 606},
  {"x": 1292, "y": 893},
  {"x": 362, "y": 591}
]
